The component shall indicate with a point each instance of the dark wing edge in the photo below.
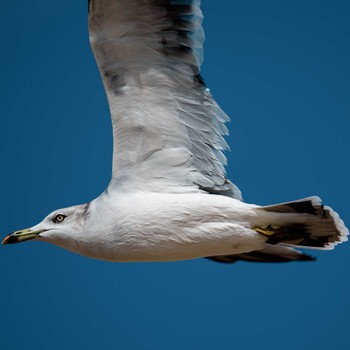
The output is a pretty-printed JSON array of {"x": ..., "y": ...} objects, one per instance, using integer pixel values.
[{"x": 270, "y": 254}]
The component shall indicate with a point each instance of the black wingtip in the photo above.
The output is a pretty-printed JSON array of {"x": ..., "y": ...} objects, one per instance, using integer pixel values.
[
  {"x": 306, "y": 257},
  {"x": 260, "y": 257}
]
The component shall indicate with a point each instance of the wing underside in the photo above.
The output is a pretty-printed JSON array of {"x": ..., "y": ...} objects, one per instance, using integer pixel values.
[{"x": 168, "y": 130}]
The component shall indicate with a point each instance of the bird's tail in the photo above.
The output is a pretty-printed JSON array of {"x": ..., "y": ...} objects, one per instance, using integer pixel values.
[{"x": 303, "y": 223}]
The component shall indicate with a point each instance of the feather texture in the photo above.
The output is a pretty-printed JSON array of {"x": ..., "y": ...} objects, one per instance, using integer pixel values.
[{"x": 168, "y": 130}]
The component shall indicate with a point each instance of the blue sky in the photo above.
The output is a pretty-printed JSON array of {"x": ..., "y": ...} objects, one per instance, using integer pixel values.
[{"x": 281, "y": 71}]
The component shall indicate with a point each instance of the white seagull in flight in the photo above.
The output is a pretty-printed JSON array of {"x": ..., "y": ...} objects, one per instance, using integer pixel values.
[{"x": 169, "y": 197}]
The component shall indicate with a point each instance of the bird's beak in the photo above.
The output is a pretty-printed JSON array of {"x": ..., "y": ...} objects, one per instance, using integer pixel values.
[{"x": 21, "y": 236}]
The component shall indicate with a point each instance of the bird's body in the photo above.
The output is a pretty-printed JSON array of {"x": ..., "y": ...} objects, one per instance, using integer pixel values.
[
  {"x": 169, "y": 197},
  {"x": 146, "y": 226}
]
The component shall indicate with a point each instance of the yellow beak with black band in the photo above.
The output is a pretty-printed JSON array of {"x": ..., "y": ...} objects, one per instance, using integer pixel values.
[{"x": 21, "y": 236}]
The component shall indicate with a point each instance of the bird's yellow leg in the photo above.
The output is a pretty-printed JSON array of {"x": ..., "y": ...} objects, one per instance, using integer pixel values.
[{"x": 267, "y": 231}]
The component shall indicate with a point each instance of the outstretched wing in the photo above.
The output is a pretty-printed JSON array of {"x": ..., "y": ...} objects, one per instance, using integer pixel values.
[{"x": 168, "y": 130}]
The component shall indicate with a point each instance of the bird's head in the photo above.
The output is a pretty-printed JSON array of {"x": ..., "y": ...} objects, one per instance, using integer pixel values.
[{"x": 63, "y": 225}]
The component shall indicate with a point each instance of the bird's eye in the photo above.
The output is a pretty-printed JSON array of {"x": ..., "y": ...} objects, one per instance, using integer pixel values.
[{"x": 58, "y": 218}]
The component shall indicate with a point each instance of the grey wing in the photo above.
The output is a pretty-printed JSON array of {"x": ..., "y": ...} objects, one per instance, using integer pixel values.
[{"x": 168, "y": 131}]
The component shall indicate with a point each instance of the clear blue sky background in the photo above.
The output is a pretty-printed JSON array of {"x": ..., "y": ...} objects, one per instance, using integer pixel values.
[{"x": 280, "y": 69}]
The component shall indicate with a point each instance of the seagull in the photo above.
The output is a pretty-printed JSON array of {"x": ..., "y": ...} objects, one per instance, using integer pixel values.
[{"x": 169, "y": 197}]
